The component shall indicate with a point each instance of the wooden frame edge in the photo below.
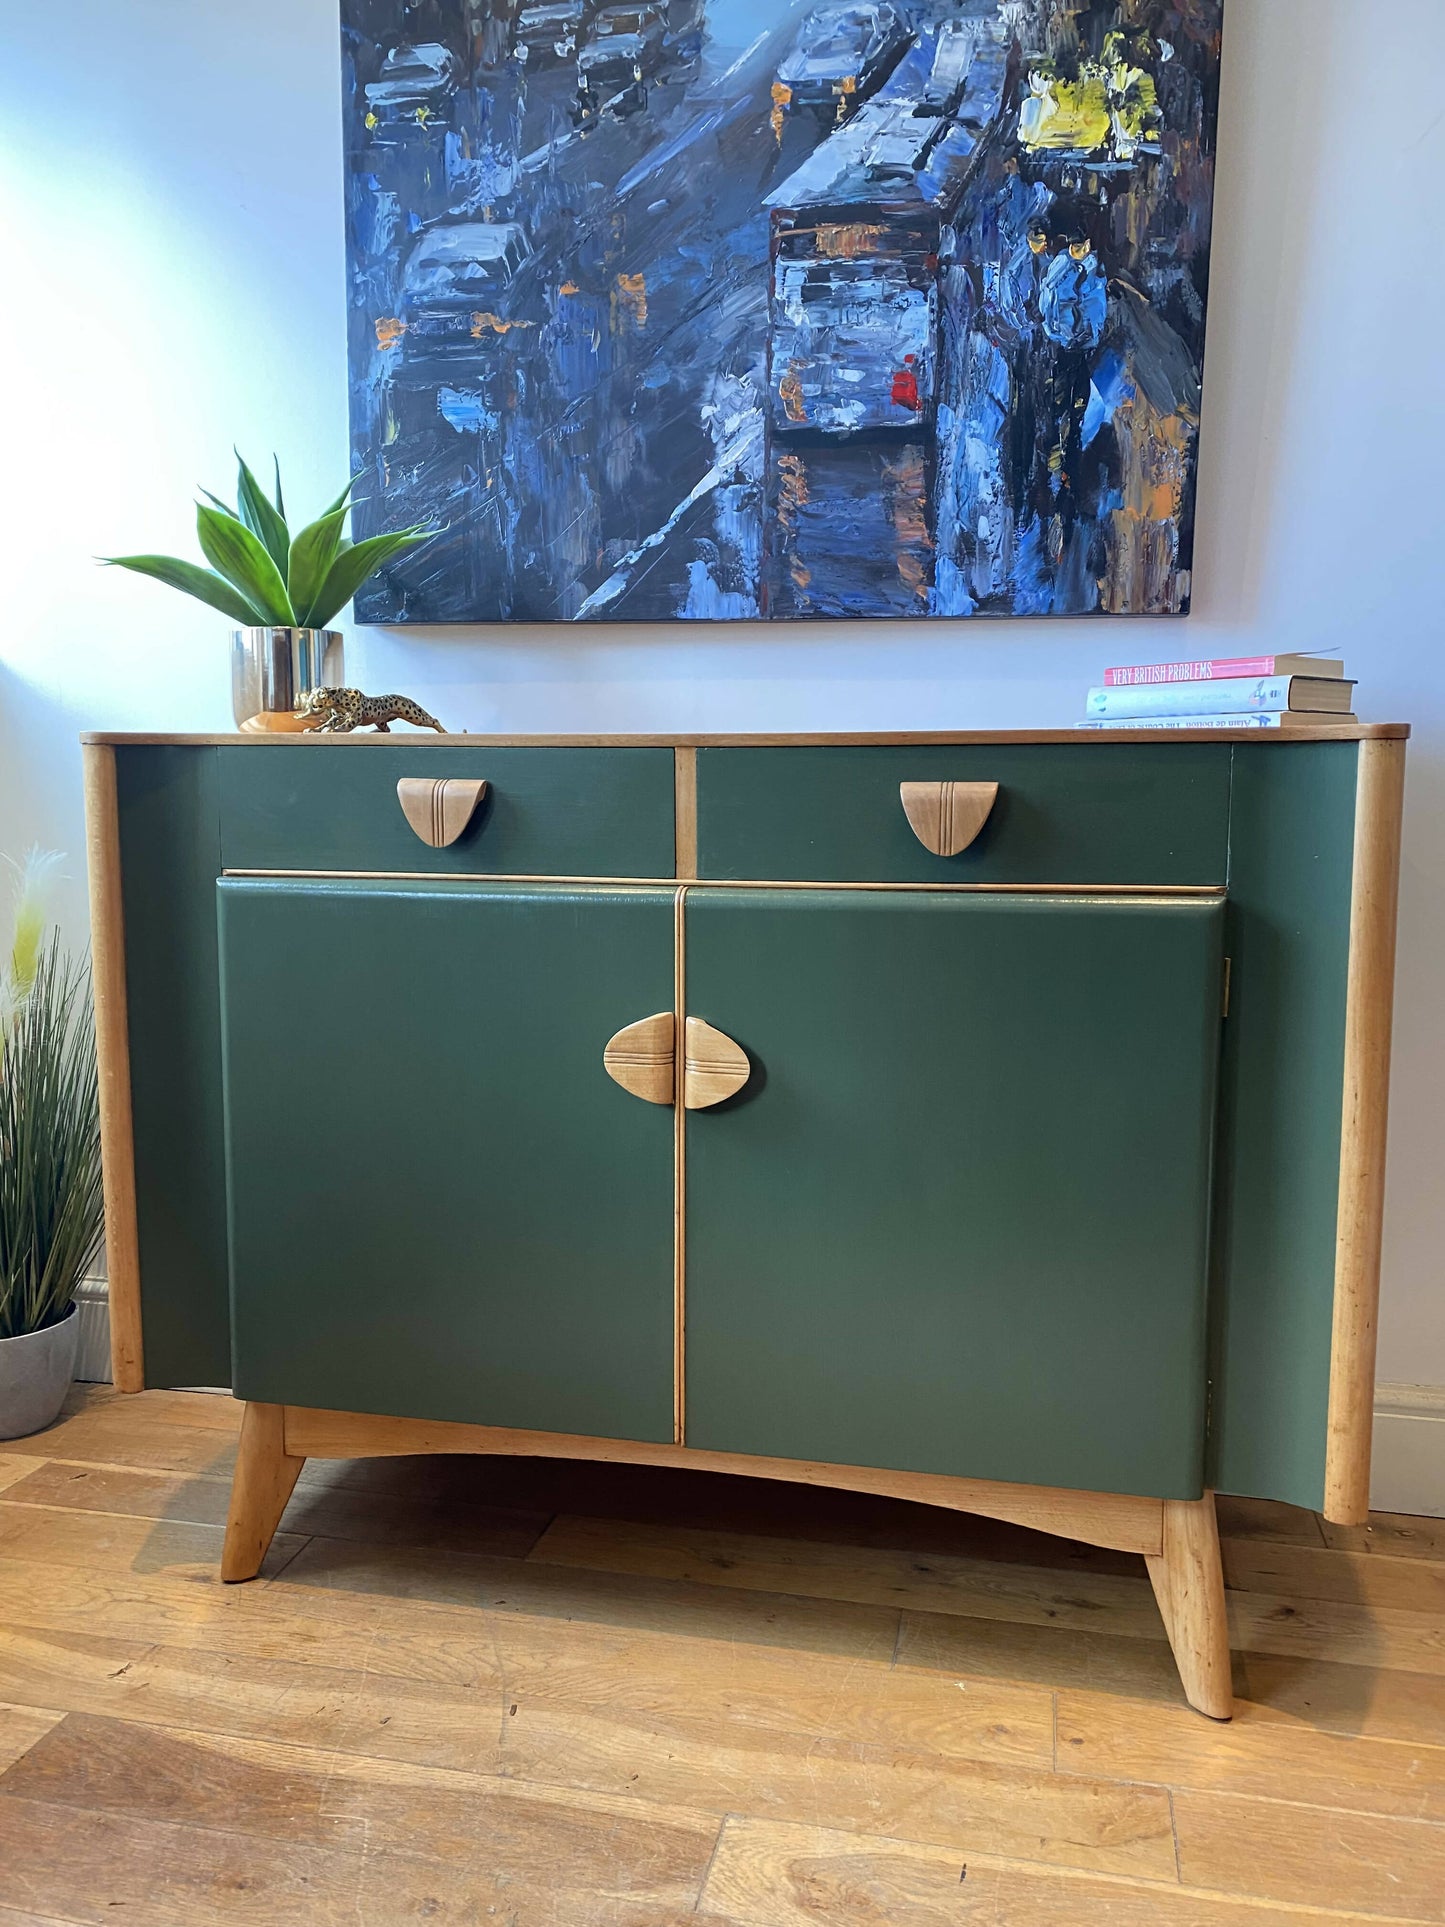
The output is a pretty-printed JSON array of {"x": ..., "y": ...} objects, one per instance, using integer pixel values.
[
  {"x": 1369, "y": 1010},
  {"x": 679, "y": 1168},
  {"x": 1122, "y": 1521},
  {"x": 768, "y": 739},
  {"x": 1124, "y": 892},
  {"x": 684, "y": 811},
  {"x": 112, "y": 1043}
]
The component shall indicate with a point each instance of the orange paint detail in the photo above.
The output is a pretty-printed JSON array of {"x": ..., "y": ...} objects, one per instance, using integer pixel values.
[
  {"x": 487, "y": 323},
  {"x": 389, "y": 332},
  {"x": 792, "y": 488},
  {"x": 1143, "y": 574},
  {"x": 569, "y": 287},
  {"x": 631, "y": 300},
  {"x": 845, "y": 241},
  {"x": 790, "y": 393}
]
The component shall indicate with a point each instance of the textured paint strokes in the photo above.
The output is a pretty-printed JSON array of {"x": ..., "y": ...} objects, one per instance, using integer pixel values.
[{"x": 763, "y": 309}]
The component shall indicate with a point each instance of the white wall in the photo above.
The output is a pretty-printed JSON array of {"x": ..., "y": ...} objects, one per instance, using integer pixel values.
[{"x": 173, "y": 261}]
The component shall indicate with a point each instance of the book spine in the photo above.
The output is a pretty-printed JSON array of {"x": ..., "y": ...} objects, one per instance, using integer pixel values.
[
  {"x": 1246, "y": 719},
  {"x": 1139, "y": 675},
  {"x": 1230, "y": 694}
]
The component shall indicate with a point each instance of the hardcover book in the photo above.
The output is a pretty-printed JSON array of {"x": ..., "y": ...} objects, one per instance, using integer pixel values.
[
  {"x": 1133, "y": 675},
  {"x": 1225, "y": 695}
]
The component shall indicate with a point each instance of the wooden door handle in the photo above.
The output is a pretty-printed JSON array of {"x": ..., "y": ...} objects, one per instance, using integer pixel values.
[
  {"x": 714, "y": 1066},
  {"x": 946, "y": 817},
  {"x": 440, "y": 808},
  {"x": 643, "y": 1060}
]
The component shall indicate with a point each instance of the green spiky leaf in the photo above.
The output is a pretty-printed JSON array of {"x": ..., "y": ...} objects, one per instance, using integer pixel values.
[
  {"x": 268, "y": 524},
  {"x": 280, "y": 504},
  {"x": 344, "y": 497},
  {"x": 312, "y": 553},
  {"x": 354, "y": 564},
  {"x": 224, "y": 507},
  {"x": 235, "y": 552},
  {"x": 191, "y": 580}
]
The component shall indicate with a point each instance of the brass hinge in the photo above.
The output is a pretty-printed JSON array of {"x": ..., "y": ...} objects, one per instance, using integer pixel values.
[{"x": 1228, "y": 975}]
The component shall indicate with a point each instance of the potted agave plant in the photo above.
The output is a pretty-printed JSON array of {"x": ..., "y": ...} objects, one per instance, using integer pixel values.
[
  {"x": 283, "y": 589},
  {"x": 51, "y": 1211}
]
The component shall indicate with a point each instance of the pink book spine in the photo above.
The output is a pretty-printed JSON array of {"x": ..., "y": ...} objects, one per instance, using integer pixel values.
[{"x": 1133, "y": 675}]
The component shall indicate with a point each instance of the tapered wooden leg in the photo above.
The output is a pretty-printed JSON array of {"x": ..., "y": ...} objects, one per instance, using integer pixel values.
[
  {"x": 266, "y": 1475},
  {"x": 1188, "y": 1582}
]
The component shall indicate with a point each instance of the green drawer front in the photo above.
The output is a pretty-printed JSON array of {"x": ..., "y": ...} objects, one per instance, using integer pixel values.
[
  {"x": 1066, "y": 813},
  {"x": 548, "y": 812}
]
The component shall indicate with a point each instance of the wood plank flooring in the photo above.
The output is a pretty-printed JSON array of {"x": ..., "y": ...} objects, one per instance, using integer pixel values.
[{"x": 535, "y": 1694}]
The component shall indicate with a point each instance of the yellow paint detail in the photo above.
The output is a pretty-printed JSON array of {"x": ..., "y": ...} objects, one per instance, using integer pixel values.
[
  {"x": 1066, "y": 115},
  {"x": 370, "y": 118},
  {"x": 845, "y": 241},
  {"x": 423, "y": 115},
  {"x": 485, "y": 323},
  {"x": 389, "y": 332}
]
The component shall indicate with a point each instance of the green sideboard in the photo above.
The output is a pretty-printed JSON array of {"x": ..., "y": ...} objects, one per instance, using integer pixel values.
[{"x": 687, "y": 1101}]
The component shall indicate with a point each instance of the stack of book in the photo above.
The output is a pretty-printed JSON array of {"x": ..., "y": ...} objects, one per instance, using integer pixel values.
[{"x": 1239, "y": 692}]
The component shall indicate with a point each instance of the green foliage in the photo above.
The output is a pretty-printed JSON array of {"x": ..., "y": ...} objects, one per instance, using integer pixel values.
[
  {"x": 263, "y": 576},
  {"x": 51, "y": 1211}
]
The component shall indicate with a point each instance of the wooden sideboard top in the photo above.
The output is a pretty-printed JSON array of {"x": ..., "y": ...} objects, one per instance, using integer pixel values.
[{"x": 837, "y": 739}]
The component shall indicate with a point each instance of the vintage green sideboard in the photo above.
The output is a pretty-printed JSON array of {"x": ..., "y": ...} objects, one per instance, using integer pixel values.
[{"x": 995, "y": 1120}]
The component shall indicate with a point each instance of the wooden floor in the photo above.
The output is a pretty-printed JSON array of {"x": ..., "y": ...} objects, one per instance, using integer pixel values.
[{"x": 525, "y": 1694}]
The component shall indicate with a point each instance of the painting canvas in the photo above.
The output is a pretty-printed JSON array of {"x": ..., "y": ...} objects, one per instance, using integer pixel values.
[{"x": 760, "y": 310}]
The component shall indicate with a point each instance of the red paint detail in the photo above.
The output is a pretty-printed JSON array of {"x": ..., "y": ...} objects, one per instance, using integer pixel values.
[{"x": 905, "y": 385}]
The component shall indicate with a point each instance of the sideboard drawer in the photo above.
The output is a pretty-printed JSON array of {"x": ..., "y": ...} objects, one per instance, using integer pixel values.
[
  {"x": 1149, "y": 813},
  {"x": 546, "y": 812}
]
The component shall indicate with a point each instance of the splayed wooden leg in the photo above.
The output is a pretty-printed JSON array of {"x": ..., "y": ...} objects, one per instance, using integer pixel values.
[
  {"x": 1188, "y": 1582},
  {"x": 265, "y": 1477}
]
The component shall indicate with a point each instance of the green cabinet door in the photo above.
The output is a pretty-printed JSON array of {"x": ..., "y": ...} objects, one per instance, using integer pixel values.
[
  {"x": 440, "y": 1204},
  {"x": 957, "y": 1221}
]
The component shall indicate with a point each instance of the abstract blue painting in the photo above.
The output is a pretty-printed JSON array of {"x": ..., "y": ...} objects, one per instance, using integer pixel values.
[{"x": 763, "y": 310}]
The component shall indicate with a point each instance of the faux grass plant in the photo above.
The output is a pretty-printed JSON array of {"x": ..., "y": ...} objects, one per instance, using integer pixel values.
[
  {"x": 261, "y": 575},
  {"x": 51, "y": 1210}
]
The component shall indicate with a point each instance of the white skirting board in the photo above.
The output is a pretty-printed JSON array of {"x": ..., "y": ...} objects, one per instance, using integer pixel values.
[
  {"x": 1408, "y": 1472},
  {"x": 1409, "y": 1467},
  {"x": 92, "y": 1353}
]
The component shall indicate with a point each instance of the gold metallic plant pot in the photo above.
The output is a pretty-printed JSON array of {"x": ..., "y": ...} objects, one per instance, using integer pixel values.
[{"x": 274, "y": 670}]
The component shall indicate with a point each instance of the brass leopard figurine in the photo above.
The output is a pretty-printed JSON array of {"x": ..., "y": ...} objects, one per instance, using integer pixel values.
[{"x": 339, "y": 711}]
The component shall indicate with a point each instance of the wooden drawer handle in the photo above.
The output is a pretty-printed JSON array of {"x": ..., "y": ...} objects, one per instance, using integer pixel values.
[
  {"x": 642, "y": 1058},
  {"x": 946, "y": 817},
  {"x": 439, "y": 808},
  {"x": 715, "y": 1067}
]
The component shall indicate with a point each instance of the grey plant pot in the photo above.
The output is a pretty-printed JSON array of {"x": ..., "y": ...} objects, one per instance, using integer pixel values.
[{"x": 35, "y": 1373}]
